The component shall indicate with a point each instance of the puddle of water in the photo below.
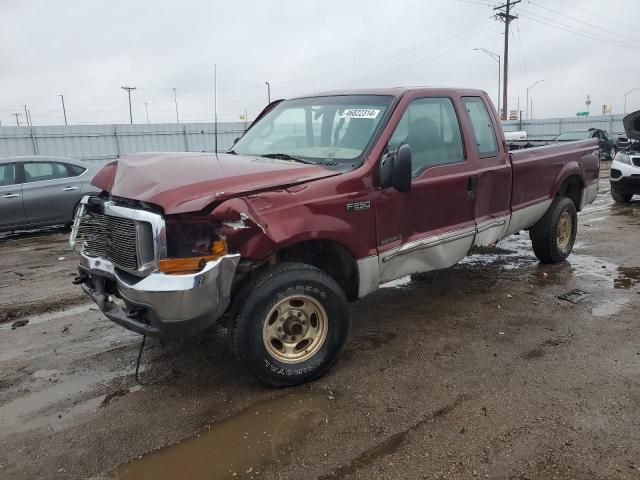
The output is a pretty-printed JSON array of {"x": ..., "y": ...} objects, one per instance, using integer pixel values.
[
  {"x": 240, "y": 445},
  {"x": 627, "y": 277},
  {"x": 34, "y": 410},
  {"x": 609, "y": 307}
]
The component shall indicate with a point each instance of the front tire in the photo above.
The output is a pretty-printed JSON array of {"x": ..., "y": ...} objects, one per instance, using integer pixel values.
[
  {"x": 291, "y": 325},
  {"x": 554, "y": 234},
  {"x": 619, "y": 196}
]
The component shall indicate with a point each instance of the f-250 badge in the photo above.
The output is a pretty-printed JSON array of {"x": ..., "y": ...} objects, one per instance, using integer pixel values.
[{"x": 358, "y": 206}]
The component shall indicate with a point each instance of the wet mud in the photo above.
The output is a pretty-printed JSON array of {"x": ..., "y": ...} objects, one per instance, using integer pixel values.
[{"x": 241, "y": 445}]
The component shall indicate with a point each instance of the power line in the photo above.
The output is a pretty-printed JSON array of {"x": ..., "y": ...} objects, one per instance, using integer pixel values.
[
  {"x": 600, "y": 16},
  {"x": 571, "y": 29},
  {"x": 524, "y": 61},
  {"x": 591, "y": 25}
]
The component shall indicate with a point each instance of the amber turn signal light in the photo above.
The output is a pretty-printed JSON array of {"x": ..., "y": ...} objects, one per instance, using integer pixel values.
[{"x": 192, "y": 264}]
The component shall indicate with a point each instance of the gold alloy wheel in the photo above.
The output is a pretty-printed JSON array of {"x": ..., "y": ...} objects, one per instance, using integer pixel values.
[
  {"x": 295, "y": 329},
  {"x": 563, "y": 232}
]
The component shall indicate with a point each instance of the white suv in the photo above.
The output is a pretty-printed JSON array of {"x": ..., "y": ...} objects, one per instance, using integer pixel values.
[{"x": 625, "y": 168}]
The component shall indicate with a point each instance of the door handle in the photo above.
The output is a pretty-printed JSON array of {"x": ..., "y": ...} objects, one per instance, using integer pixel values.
[
  {"x": 11, "y": 195},
  {"x": 68, "y": 189},
  {"x": 472, "y": 186}
]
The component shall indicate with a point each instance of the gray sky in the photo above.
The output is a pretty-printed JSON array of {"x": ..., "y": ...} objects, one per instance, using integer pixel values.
[{"x": 88, "y": 49}]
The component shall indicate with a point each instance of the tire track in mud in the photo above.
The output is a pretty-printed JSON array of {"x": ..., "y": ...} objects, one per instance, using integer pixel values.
[{"x": 391, "y": 444}]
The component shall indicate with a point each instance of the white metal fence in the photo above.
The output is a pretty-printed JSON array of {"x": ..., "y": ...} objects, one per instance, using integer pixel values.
[
  {"x": 551, "y": 127},
  {"x": 99, "y": 143}
]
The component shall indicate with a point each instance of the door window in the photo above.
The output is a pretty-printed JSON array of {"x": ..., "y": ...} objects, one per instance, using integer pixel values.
[
  {"x": 7, "y": 174},
  {"x": 483, "y": 132},
  {"x": 39, "y": 171},
  {"x": 75, "y": 170},
  {"x": 430, "y": 127}
]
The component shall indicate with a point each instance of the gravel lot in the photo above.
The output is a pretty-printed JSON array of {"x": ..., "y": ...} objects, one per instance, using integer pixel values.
[{"x": 476, "y": 371}]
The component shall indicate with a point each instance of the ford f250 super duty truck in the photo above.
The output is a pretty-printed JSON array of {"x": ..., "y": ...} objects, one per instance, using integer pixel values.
[{"x": 322, "y": 200}]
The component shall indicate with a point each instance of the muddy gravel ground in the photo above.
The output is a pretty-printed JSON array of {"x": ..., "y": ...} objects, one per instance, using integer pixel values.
[{"x": 476, "y": 371}]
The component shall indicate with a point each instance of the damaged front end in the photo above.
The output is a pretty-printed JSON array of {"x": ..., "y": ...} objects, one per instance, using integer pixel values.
[{"x": 163, "y": 277}]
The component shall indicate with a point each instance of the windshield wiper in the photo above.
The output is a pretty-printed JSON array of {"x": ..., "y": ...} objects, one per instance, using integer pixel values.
[{"x": 286, "y": 156}]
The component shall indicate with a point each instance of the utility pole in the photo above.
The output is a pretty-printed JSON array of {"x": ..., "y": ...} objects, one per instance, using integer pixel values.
[
  {"x": 506, "y": 17},
  {"x": 529, "y": 88},
  {"x": 625, "y": 98},
  {"x": 175, "y": 100},
  {"x": 268, "y": 92},
  {"x": 146, "y": 107},
  {"x": 128, "y": 90},
  {"x": 215, "y": 108},
  {"x": 496, "y": 57},
  {"x": 26, "y": 116},
  {"x": 17, "y": 115},
  {"x": 64, "y": 110}
]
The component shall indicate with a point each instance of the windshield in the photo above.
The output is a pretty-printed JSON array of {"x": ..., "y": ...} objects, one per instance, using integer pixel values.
[
  {"x": 317, "y": 129},
  {"x": 582, "y": 135}
]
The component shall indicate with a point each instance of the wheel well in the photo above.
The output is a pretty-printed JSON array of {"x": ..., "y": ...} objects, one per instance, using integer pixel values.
[
  {"x": 330, "y": 257},
  {"x": 572, "y": 188}
]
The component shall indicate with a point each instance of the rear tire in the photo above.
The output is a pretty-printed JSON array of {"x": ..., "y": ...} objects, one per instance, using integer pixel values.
[
  {"x": 554, "y": 234},
  {"x": 291, "y": 325},
  {"x": 619, "y": 196}
]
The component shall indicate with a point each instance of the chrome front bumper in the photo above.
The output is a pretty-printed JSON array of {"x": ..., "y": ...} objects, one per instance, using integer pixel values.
[{"x": 160, "y": 305}]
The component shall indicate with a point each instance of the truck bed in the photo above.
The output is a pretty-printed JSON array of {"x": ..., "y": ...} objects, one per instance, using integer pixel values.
[{"x": 537, "y": 170}]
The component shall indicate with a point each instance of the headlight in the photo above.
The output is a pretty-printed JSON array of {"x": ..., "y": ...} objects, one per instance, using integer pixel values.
[
  {"x": 623, "y": 158},
  {"x": 191, "y": 243}
]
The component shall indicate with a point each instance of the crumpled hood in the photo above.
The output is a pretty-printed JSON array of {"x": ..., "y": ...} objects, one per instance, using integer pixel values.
[
  {"x": 632, "y": 125},
  {"x": 188, "y": 182}
]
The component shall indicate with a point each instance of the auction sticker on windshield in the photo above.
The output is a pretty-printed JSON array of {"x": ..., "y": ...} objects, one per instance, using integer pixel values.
[{"x": 360, "y": 113}]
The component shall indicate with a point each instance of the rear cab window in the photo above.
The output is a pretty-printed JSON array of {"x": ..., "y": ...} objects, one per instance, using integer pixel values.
[
  {"x": 41, "y": 171},
  {"x": 483, "y": 132},
  {"x": 8, "y": 174}
]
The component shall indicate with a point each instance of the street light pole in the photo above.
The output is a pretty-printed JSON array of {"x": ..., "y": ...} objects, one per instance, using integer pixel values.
[
  {"x": 146, "y": 107},
  {"x": 268, "y": 92},
  {"x": 529, "y": 88},
  {"x": 128, "y": 90},
  {"x": 626, "y": 95},
  {"x": 496, "y": 57},
  {"x": 64, "y": 110},
  {"x": 175, "y": 99}
]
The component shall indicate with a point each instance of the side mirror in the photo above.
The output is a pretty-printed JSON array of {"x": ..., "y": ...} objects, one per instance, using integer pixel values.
[
  {"x": 395, "y": 169},
  {"x": 401, "y": 176}
]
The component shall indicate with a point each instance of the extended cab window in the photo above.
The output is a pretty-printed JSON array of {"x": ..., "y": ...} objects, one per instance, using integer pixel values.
[
  {"x": 430, "y": 127},
  {"x": 483, "y": 132},
  {"x": 39, "y": 171},
  {"x": 335, "y": 128},
  {"x": 7, "y": 174}
]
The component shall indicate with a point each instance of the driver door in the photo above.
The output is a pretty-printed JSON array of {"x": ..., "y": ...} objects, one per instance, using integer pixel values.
[{"x": 432, "y": 226}]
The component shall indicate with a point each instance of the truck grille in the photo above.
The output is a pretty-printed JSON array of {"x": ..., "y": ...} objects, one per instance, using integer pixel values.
[{"x": 106, "y": 236}]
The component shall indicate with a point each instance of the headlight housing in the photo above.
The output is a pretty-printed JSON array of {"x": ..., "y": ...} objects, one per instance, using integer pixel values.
[
  {"x": 623, "y": 158},
  {"x": 191, "y": 243}
]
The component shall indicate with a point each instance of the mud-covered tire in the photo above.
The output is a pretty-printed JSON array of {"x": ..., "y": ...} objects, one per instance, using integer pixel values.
[
  {"x": 619, "y": 196},
  {"x": 552, "y": 236},
  {"x": 288, "y": 291}
]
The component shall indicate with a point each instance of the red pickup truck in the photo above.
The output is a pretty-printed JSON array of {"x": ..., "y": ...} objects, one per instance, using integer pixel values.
[{"x": 322, "y": 200}]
